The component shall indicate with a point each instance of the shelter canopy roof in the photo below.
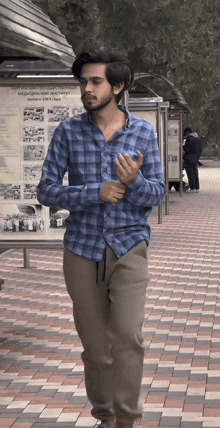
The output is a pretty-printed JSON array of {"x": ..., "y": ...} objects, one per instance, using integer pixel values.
[
  {"x": 26, "y": 31},
  {"x": 11, "y": 68},
  {"x": 150, "y": 84}
]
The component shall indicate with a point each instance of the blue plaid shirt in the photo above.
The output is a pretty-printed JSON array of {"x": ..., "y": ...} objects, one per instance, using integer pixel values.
[{"x": 79, "y": 147}]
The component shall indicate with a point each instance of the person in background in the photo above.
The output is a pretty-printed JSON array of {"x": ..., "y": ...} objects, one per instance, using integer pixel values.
[
  {"x": 115, "y": 178},
  {"x": 192, "y": 151}
]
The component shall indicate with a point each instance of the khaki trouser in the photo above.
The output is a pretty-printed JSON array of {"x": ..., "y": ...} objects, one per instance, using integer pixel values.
[{"x": 108, "y": 320}]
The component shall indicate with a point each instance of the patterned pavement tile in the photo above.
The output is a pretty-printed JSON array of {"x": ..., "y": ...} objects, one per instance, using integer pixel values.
[{"x": 41, "y": 372}]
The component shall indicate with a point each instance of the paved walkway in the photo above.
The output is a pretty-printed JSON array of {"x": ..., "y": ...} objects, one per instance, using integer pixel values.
[{"x": 41, "y": 373}]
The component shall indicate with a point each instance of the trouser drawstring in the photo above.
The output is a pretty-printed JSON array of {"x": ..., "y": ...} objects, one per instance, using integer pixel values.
[{"x": 101, "y": 271}]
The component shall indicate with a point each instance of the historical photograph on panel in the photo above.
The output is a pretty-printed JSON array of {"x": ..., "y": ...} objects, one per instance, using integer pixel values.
[
  {"x": 32, "y": 172},
  {"x": 58, "y": 218},
  {"x": 172, "y": 131},
  {"x": 10, "y": 191},
  {"x": 33, "y": 134},
  {"x": 30, "y": 191},
  {"x": 35, "y": 114},
  {"x": 172, "y": 158},
  {"x": 21, "y": 219},
  {"x": 77, "y": 110},
  {"x": 58, "y": 113},
  {"x": 51, "y": 129},
  {"x": 33, "y": 152}
]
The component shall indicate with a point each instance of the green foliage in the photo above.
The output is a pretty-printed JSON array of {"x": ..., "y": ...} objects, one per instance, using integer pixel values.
[
  {"x": 77, "y": 20},
  {"x": 209, "y": 151},
  {"x": 178, "y": 39}
]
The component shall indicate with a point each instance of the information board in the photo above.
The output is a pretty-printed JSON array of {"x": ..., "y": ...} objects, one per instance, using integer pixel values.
[
  {"x": 174, "y": 149},
  {"x": 152, "y": 116},
  {"x": 29, "y": 114}
]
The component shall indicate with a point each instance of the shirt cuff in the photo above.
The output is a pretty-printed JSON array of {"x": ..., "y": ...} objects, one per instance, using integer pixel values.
[
  {"x": 93, "y": 192},
  {"x": 138, "y": 182}
]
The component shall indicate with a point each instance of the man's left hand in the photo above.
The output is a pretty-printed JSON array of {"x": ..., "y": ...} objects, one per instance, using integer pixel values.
[{"x": 126, "y": 169}]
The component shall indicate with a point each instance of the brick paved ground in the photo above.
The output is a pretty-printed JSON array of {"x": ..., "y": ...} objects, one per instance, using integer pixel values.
[{"x": 41, "y": 373}]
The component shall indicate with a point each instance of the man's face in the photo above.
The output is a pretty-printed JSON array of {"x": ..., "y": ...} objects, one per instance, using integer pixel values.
[{"x": 96, "y": 91}]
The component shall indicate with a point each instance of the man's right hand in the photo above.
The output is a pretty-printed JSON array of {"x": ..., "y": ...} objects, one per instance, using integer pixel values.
[{"x": 112, "y": 191}]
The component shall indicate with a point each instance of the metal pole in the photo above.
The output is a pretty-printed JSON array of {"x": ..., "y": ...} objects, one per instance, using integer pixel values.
[
  {"x": 181, "y": 154},
  {"x": 26, "y": 258},
  {"x": 166, "y": 161},
  {"x": 124, "y": 99},
  {"x": 161, "y": 154}
]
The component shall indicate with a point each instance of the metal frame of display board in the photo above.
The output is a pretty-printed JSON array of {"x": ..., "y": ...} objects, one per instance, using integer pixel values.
[
  {"x": 26, "y": 246},
  {"x": 142, "y": 106},
  {"x": 175, "y": 150}
]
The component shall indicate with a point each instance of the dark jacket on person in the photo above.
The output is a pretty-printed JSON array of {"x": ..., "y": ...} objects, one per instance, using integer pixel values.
[{"x": 192, "y": 148}]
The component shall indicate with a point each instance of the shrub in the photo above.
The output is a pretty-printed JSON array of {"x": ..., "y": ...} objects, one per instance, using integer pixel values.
[{"x": 209, "y": 151}]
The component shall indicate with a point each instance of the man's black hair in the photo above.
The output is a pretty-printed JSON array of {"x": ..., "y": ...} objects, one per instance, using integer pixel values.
[
  {"x": 117, "y": 70},
  {"x": 187, "y": 131}
]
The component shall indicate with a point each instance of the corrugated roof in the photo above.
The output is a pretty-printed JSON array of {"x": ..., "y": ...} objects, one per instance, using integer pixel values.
[
  {"x": 178, "y": 95},
  {"x": 32, "y": 67},
  {"x": 26, "y": 30}
]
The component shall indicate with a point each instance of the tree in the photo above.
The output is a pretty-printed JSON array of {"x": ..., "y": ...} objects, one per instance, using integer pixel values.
[
  {"x": 178, "y": 39},
  {"x": 77, "y": 20}
]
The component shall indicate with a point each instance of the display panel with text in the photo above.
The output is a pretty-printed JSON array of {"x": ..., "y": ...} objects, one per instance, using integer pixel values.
[{"x": 29, "y": 114}]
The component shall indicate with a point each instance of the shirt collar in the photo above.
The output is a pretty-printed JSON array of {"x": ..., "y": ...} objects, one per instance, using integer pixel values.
[{"x": 122, "y": 108}]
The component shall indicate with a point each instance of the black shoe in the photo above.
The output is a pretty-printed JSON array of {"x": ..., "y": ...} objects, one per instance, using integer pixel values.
[{"x": 186, "y": 187}]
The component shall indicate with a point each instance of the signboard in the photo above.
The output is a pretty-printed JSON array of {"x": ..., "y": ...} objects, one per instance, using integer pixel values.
[
  {"x": 152, "y": 116},
  {"x": 148, "y": 115},
  {"x": 174, "y": 149},
  {"x": 157, "y": 116},
  {"x": 29, "y": 113}
]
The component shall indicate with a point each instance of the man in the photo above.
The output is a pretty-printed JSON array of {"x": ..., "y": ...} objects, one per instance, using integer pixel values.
[
  {"x": 192, "y": 152},
  {"x": 115, "y": 177}
]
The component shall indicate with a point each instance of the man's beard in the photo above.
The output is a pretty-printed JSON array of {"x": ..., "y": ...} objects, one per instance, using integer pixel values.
[{"x": 103, "y": 104}]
